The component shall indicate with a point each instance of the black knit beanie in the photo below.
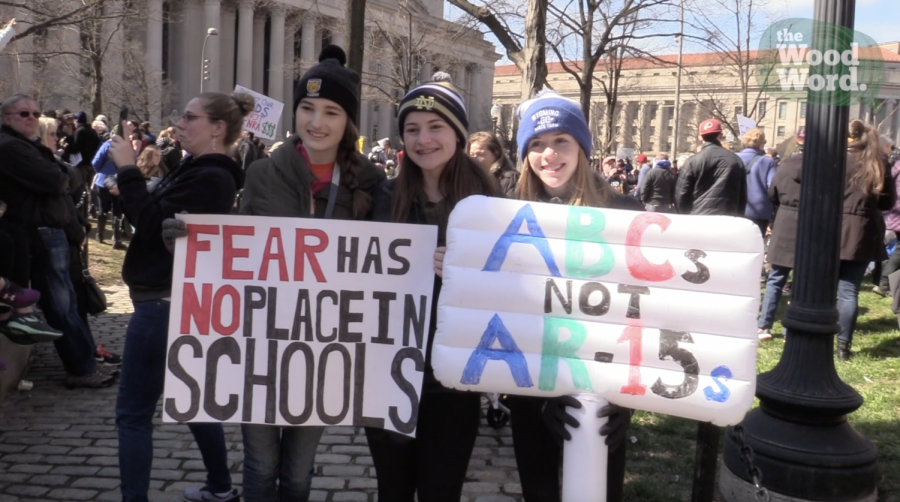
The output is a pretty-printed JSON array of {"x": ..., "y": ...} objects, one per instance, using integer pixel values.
[{"x": 331, "y": 80}]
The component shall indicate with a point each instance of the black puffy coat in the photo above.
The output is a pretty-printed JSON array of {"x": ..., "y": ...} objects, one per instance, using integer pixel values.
[
  {"x": 712, "y": 182},
  {"x": 658, "y": 188}
]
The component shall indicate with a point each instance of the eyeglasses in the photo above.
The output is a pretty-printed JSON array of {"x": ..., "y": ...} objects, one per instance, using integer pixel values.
[
  {"x": 190, "y": 117},
  {"x": 26, "y": 114}
]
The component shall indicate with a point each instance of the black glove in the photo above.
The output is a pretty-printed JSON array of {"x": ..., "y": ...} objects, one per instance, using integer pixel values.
[
  {"x": 173, "y": 229},
  {"x": 617, "y": 426},
  {"x": 556, "y": 417}
]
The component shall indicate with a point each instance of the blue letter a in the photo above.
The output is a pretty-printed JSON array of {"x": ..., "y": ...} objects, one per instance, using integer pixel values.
[
  {"x": 535, "y": 237},
  {"x": 508, "y": 352}
]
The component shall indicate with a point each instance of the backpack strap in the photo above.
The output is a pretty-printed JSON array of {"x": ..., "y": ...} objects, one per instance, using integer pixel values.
[{"x": 750, "y": 165}]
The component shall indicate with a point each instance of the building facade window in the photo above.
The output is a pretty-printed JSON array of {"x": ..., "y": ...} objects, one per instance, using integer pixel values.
[
  {"x": 780, "y": 131},
  {"x": 761, "y": 109},
  {"x": 803, "y": 110},
  {"x": 782, "y": 110}
]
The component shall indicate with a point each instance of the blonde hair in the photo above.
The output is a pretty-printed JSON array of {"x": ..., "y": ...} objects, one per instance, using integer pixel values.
[
  {"x": 46, "y": 125},
  {"x": 754, "y": 138},
  {"x": 588, "y": 190},
  {"x": 864, "y": 140}
]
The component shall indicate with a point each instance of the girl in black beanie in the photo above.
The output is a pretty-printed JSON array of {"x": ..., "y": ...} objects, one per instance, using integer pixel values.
[{"x": 317, "y": 173}]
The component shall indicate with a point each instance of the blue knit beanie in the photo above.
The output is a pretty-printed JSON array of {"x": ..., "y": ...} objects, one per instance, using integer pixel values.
[{"x": 548, "y": 111}]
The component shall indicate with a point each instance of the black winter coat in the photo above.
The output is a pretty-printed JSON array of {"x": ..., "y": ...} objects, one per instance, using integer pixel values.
[
  {"x": 34, "y": 186},
  {"x": 712, "y": 182},
  {"x": 86, "y": 143},
  {"x": 659, "y": 188},
  {"x": 199, "y": 185},
  {"x": 863, "y": 227},
  {"x": 784, "y": 192}
]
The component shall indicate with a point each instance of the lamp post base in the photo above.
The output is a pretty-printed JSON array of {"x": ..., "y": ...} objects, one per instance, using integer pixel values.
[
  {"x": 824, "y": 461},
  {"x": 735, "y": 489}
]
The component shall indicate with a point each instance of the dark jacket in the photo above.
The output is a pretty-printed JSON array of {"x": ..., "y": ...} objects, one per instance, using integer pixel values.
[
  {"x": 658, "y": 188},
  {"x": 86, "y": 143},
  {"x": 862, "y": 227},
  {"x": 170, "y": 152},
  {"x": 280, "y": 186},
  {"x": 248, "y": 153},
  {"x": 34, "y": 186},
  {"x": 422, "y": 213},
  {"x": 712, "y": 182},
  {"x": 199, "y": 185},
  {"x": 507, "y": 177},
  {"x": 784, "y": 194},
  {"x": 759, "y": 178}
]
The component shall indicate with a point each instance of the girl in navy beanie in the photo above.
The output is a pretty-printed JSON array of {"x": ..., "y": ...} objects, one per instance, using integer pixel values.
[{"x": 554, "y": 147}]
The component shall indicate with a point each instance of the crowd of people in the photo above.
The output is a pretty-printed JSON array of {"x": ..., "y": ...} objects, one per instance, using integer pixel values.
[{"x": 58, "y": 169}]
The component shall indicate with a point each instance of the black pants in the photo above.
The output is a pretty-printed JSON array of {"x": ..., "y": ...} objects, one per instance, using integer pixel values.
[
  {"x": 15, "y": 259},
  {"x": 762, "y": 224},
  {"x": 890, "y": 266},
  {"x": 538, "y": 457},
  {"x": 433, "y": 463},
  {"x": 108, "y": 202}
]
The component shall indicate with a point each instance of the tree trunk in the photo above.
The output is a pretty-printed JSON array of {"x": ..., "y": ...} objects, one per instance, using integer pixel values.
[
  {"x": 96, "y": 85},
  {"x": 356, "y": 20},
  {"x": 533, "y": 65},
  {"x": 610, "y": 123}
]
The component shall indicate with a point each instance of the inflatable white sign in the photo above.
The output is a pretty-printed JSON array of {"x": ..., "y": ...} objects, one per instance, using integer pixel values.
[
  {"x": 649, "y": 311},
  {"x": 299, "y": 321}
]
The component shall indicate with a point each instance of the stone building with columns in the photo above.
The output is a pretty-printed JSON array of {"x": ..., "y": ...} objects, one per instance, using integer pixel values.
[
  {"x": 261, "y": 45},
  {"x": 644, "y": 114}
]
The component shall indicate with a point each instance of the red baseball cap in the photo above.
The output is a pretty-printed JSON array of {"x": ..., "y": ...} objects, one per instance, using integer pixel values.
[
  {"x": 710, "y": 126},
  {"x": 641, "y": 158}
]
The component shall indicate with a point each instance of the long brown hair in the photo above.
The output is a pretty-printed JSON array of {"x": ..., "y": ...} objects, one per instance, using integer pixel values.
[
  {"x": 348, "y": 159},
  {"x": 869, "y": 177},
  {"x": 492, "y": 144},
  {"x": 461, "y": 178},
  {"x": 588, "y": 189}
]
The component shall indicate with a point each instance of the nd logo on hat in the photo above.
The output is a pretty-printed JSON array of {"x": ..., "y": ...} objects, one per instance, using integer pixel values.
[{"x": 313, "y": 86}]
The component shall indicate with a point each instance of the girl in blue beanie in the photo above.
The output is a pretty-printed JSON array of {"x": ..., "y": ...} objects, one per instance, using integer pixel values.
[{"x": 554, "y": 147}]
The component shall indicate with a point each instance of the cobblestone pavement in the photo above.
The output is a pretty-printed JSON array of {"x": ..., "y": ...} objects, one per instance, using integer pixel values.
[{"x": 58, "y": 444}]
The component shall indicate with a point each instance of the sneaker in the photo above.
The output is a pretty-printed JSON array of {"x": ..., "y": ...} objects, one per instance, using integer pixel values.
[
  {"x": 878, "y": 290},
  {"x": 18, "y": 297},
  {"x": 205, "y": 494},
  {"x": 95, "y": 380},
  {"x": 763, "y": 334},
  {"x": 28, "y": 329},
  {"x": 107, "y": 358}
]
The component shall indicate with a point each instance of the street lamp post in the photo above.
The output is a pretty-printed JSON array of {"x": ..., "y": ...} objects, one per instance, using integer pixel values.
[
  {"x": 204, "y": 66},
  {"x": 676, "y": 128},
  {"x": 801, "y": 442}
]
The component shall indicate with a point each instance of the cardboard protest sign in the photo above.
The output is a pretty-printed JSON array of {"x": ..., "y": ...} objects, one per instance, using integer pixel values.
[
  {"x": 745, "y": 124},
  {"x": 263, "y": 122},
  {"x": 295, "y": 321},
  {"x": 625, "y": 153},
  {"x": 647, "y": 310}
]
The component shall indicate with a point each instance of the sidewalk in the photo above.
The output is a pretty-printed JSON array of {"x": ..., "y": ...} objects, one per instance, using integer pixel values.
[{"x": 58, "y": 444}]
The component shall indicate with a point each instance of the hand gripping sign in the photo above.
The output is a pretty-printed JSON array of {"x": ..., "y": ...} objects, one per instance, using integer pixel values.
[
  {"x": 649, "y": 311},
  {"x": 290, "y": 321}
]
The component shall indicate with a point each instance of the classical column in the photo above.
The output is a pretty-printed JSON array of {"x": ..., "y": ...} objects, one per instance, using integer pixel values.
[
  {"x": 259, "y": 51},
  {"x": 213, "y": 18},
  {"x": 308, "y": 40},
  {"x": 364, "y": 128},
  {"x": 276, "y": 57},
  {"x": 287, "y": 117},
  {"x": 154, "y": 47},
  {"x": 337, "y": 38},
  {"x": 385, "y": 115},
  {"x": 660, "y": 126},
  {"x": 244, "y": 74},
  {"x": 226, "y": 48}
]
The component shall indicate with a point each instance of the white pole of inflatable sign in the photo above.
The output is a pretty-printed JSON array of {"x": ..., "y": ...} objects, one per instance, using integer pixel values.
[{"x": 586, "y": 455}]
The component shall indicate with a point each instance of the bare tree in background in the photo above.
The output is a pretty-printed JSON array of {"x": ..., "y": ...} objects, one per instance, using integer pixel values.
[
  {"x": 728, "y": 28},
  {"x": 506, "y": 21},
  {"x": 403, "y": 44},
  {"x": 45, "y": 14},
  {"x": 585, "y": 31}
]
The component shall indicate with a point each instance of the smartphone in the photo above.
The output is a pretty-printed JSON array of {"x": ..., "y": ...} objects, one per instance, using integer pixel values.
[{"x": 123, "y": 117}]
